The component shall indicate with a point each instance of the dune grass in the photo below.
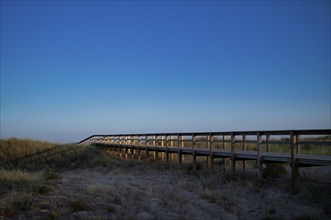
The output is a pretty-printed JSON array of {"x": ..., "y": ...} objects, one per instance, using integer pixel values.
[
  {"x": 29, "y": 169},
  {"x": 26, "y": 165},
  {"x": 29, "y": 155}
]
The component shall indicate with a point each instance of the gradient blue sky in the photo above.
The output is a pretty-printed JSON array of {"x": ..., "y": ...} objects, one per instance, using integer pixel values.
[{"x": 70, "y": 69}]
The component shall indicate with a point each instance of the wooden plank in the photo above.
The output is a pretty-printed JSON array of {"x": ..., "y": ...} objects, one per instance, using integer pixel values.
[
  {"x": 248, "y": 155},
  {"x": 222, "y": 153},
  {"x": 275, "y": 157},
  {"x": 306, "y": 159}
]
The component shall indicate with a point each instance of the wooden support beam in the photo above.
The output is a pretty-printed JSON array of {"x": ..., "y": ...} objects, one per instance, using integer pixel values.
[
  {"x": 120, "y": 147},
  {"x": 194, "y": 161},
  {"x": 126, "y": 152},
  {"x": 224, "y": 147},
  {"x": 167, "y": 156},
  {"x": 162, "y": 144},
  {"x": 156, "y": 153},
  {"x": 267, "y": 148},
  {"x": 298, "y": 145},
  {"x": 139, "y": 154},
  {"x": 167, "y": 148},
  {"x": 244, "y": 148},
  {"x": 180, "y": 159},
  {"x": 295, "y": 169},
  {"x": 233, "y": 151},
  {"x": 259, "y": 161},
  {"x": 139, "y": 145},
  {"x": 211, "y": 156},
  {"x": 147, "y": 151},
  {"x": 211, "y": 161},
  {"x": 171, "y": 145},
  {"x": 194, "y": 157}
]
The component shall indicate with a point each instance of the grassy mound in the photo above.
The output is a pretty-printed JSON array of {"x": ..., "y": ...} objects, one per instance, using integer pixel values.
[
  {"x": 26, "y": 165},
  {"x": 29, "y": 155}
]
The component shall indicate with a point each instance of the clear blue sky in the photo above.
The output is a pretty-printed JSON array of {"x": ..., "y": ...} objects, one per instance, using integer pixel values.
[{"x": 70, "y": 69}]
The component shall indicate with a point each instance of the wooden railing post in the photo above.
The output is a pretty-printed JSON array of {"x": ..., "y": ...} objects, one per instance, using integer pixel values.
[
  {"x": 259, "y": 161},
  {"x": 147, "y": 151},
  {"x": 162, "y": 145},
  {"x": 233, "y": 151},
  {"x": 211, "y": 155},
  {"x": 298, "y": 145},
  {"x": 224, "y": 147},
  {"x": 178, "y": 140},
  {"x": 267, "y": 148},
  {"x": 294, "y": 151},
  {"x": 179, "y": 151},
  {"x": 132, "y": 149},
  {"x": 114, "y": 145},
  {"x": 267, "y": 142},
  {"x": 139, "y": 146},
  {"x": 172, "y": 145},
  {"x": 126, "y": 146},
  {"x": 155, "y": 147},
  {"x": 193, "y": 153},
  {"x": 244, "y": 148},
  {"x": 167, "y": 148},
  {"x": 120, "y": 146}
]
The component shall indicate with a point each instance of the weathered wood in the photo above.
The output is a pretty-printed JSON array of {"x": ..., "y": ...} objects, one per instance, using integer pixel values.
[
  {"x": 194, "y": 161},
  {"x": 259, "y": 158},
  {"x": 162, "y": 144},
  {"x": 294, "y": 165},
  {"x": 224, "y": 147},
  {"x": 210, "y": 159},
  {"x": 172, "y": 146},
  {"x": 133, "y": 144},
  {"x": 147, "y": 149},
  {"x": 180, "y": 159},
  {"x": 244, "y": 148},
  {"x": 233, "y": 151}
]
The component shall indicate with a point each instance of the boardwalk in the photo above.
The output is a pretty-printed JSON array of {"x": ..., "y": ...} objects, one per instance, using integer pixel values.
[{"x": 264, "y": 147}]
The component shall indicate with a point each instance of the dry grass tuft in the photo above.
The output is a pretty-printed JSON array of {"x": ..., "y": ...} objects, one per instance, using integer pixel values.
[{"x": 77, "y": 205}]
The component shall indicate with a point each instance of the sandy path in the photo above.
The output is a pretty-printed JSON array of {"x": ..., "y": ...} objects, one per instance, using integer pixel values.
[{"x": 140, "y": 193}]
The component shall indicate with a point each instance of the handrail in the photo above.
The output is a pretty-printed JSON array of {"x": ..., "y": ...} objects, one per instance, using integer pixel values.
[
  {"x": 228, "y": 133},
  {"x": 236, "y": 133}
]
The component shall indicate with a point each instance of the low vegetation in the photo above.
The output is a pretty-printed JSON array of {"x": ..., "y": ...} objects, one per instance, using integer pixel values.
[
  {"x": 42, "y": 180},
  {"x": 26, "y": 165}
]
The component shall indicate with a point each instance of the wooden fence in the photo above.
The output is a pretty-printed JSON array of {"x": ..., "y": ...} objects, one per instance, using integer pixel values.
[{"x": 299, "y": 148}]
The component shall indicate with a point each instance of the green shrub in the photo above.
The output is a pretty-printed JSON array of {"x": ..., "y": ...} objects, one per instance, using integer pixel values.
[{"x": 19, "y": 181}]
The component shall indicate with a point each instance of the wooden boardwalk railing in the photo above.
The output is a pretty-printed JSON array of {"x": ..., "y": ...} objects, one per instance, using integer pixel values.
[{"x": 264, "y": 147}]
